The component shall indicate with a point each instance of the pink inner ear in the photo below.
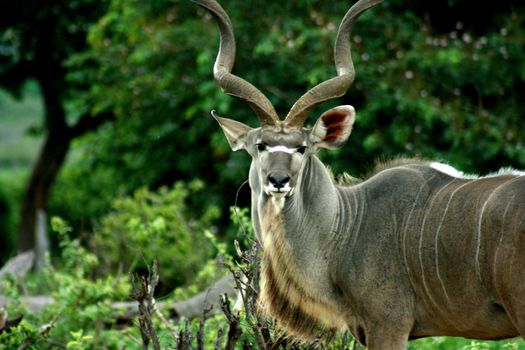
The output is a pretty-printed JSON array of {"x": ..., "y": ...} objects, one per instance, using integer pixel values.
[
  {"x": 334, "y": 124},
  {"x": 333, "y": 118}
]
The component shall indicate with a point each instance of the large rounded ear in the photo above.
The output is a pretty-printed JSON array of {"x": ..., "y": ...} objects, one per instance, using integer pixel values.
[
  {"x": 234, "y": 131},
  {"x": 332, "y": 129}
]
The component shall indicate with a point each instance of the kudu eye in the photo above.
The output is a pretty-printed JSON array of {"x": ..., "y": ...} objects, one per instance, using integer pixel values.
[{"x": 261, "y": 147}]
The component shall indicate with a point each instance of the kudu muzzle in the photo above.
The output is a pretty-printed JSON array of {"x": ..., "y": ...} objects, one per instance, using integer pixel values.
[{"x": 278, "y": 180}]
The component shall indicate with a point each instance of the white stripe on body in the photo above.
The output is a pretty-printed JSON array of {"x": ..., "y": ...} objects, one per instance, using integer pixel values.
[
  {"x": 478, "y": 247},
  {"x": 436, "y": 239},
  {"x": 420, "y": 250}
]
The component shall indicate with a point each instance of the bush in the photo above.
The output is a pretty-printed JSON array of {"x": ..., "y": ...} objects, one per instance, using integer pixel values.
[
  {"x": 83, "y": 194},
  {"x": 81, "y": 307},
  {"x": 155, "y": 225}
]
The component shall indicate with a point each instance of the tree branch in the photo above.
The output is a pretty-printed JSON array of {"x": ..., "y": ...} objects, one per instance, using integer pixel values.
[{"x": 88, "y": 122}]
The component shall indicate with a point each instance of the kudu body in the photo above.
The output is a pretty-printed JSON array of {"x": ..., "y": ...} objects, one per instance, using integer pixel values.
[{"x": 416, "y": 250}]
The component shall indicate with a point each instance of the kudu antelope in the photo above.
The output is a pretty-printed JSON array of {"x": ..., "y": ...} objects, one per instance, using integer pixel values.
[{"x": 416, "y": 250}]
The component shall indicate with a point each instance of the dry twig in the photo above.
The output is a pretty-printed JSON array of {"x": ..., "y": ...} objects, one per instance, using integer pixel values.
[{"x": 144, "y": 297}]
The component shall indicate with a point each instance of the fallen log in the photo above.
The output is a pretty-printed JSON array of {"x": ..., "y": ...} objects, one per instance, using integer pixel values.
[
  {"x": 18, "y": 266},
  {"x": 126, "y": 311}
]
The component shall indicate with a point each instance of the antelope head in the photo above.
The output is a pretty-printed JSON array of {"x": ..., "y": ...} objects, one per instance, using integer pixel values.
[{"x": 280, "y": 148}]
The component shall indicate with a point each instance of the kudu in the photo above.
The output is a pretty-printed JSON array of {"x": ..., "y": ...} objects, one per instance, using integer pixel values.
[{"x": 416, "y": 250}]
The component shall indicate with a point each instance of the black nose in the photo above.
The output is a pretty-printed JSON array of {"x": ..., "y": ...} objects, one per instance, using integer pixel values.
[{"x": 278, "y": 181}]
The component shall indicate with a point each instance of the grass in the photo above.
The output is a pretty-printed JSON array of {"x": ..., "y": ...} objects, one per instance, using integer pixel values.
[{"x": 455, "y": 343}]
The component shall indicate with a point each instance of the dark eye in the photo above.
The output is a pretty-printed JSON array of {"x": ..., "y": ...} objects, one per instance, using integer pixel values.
[
  {"x": 261, "y": 147},
  {"x": 301, "y": 149}
]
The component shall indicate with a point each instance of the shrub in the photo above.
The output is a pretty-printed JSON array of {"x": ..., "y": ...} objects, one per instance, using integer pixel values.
[
  {"x": 81, "y": 307},
  {"x": 156, "y": 225}
]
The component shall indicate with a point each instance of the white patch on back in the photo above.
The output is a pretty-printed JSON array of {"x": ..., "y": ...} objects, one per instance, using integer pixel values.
[
  {"x": 451, "y": 171},
  {"x": 281, "y": 149},
  {"x": 510, "y": 171}
]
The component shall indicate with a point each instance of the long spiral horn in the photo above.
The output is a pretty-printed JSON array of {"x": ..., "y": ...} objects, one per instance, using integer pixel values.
[
  {"x": 230, "y": 83},
  {"x": 337, "y": 86}
]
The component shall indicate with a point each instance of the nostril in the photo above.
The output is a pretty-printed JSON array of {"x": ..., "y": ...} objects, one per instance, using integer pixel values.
[{"x": 278, "y": 181}]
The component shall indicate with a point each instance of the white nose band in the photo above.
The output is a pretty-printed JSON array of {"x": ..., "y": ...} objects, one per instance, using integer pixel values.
[{"x": 281, "y": 149}]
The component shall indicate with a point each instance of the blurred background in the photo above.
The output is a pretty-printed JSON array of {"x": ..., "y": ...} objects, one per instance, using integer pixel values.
[{"x": 105, "y": 110}]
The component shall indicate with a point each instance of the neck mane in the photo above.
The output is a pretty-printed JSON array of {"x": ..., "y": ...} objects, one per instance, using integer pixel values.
[{"x": 297, "y": 287}]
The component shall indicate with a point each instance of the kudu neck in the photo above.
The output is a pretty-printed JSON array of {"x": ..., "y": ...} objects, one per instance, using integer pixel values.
[
  {"x": 317, "y": 190},
  {"x": 314, "y": 206}
]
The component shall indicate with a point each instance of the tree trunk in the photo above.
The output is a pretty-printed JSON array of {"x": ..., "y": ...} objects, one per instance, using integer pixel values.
[
  {"x": 44, "y": 173},
  {"x": 48, "y": 164},
  {"x": 51, "y": 158}
]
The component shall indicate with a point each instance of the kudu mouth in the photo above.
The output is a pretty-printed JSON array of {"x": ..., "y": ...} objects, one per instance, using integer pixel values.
[
  {"x": 280, "y": 192},
  {"x": 278, "y": 186}
]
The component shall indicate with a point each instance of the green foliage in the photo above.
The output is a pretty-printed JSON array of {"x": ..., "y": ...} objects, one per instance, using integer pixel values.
[
  {"x": 135, "y": 50},
  {"x": 81, "y": 307},
  {"x": 35, "y": 40},
  {"x": 241, "y": 218},
  {"x": 24, "y": 333},
  {"x": 80, "y": 341},
  {"x": 446, "y": 343},
  {"x": 95, "y": 189},
  {"x": 156, "y": 225},
  {"x": 18, "y": 126},
  {"x": 450, "y": 95}
]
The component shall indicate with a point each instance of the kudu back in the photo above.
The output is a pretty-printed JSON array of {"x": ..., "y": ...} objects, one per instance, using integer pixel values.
[{"x": 416, "y": 250}]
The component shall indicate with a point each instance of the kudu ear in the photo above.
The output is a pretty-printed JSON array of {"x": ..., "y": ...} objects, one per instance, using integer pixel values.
[
  {"x": 333, "y": 127},
  {"x": 234, "y": 131}
]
